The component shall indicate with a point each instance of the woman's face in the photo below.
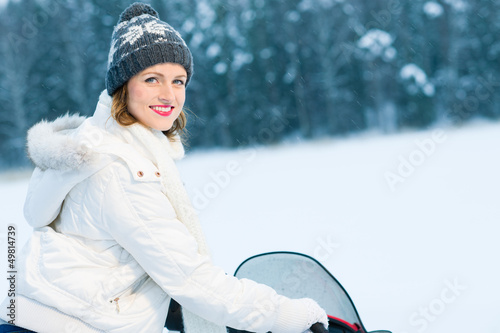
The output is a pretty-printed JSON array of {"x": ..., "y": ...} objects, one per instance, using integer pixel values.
[{"x": 157, "y": 94}]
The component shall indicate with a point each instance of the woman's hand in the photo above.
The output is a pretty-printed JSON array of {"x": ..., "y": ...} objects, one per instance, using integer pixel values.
[{"x": 317, "y": 319}]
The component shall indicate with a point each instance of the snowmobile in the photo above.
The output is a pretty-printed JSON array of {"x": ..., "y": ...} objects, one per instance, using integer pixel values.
[
  {"x": 296, "y": 275},
  {"x": 291, "y": 274}
]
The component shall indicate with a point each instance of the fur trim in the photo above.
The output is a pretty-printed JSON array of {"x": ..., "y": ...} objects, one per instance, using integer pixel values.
[{"x": 49, "y": 147}]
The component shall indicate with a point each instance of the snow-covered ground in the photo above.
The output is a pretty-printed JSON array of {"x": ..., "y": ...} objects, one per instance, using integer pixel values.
[{"x": 409, "y": 223}]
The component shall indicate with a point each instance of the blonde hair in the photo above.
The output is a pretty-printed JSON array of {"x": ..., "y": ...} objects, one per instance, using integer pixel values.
[{"x": 120, "y": 113}]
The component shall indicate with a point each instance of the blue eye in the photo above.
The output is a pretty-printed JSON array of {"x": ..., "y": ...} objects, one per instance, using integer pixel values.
[
  {"x": 151, "y": 80},
  {"x": 179, "y": 82}
]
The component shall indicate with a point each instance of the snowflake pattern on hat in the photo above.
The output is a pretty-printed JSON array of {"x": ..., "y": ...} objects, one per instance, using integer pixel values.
[{"x": 130, "y": 34}]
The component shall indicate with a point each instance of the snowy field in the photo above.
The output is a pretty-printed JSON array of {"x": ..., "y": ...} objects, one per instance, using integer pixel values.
[{"x": 408, "y": 223}]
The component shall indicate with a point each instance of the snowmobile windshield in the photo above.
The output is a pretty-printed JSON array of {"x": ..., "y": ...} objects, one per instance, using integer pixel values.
[{"x": 296, "y": 276}]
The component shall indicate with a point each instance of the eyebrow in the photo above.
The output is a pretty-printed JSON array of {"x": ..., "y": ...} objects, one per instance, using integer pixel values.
[{"x": 160, "y": 74}]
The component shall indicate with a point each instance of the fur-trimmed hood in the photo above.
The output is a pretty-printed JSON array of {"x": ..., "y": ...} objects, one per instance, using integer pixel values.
[
  {"x": 63, "y": 158},
  {"x": 65, "y": 152}
]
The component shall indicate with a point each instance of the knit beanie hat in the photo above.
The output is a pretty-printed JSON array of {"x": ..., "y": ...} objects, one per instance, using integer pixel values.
[{"x": 141, "y": 40}]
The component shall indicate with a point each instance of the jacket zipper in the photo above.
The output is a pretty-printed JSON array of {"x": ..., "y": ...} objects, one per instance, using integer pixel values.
[{"x": 116, "y": 298}]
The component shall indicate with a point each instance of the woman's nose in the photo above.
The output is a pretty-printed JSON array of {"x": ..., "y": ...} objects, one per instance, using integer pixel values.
[{"x": 167, "y": 94}]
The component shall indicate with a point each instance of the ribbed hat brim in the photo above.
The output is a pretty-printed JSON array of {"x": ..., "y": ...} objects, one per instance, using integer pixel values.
[{"x": 146, "y": 57}]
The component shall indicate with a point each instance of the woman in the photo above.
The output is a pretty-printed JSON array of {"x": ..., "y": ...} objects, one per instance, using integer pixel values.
[{"x": 115, "y": 234}]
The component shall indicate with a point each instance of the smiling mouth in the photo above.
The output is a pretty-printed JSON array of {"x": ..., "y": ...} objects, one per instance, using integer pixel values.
[{"x": 162, "y": 110}]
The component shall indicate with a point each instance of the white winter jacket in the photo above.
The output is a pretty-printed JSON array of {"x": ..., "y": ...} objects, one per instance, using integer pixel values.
[{"x": 108, "y": 251}]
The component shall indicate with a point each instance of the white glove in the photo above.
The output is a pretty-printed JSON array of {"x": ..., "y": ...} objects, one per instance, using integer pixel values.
[
  {"x": 316, "y": 314},
  {"x": 298, "y": 315}
]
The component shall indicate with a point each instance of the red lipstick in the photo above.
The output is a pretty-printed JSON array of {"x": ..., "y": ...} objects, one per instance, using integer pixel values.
[{"x": 162, "y": 110}]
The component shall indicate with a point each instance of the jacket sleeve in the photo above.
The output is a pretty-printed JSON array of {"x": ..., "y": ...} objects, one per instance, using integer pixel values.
[{"x": 142, "y": 220}]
